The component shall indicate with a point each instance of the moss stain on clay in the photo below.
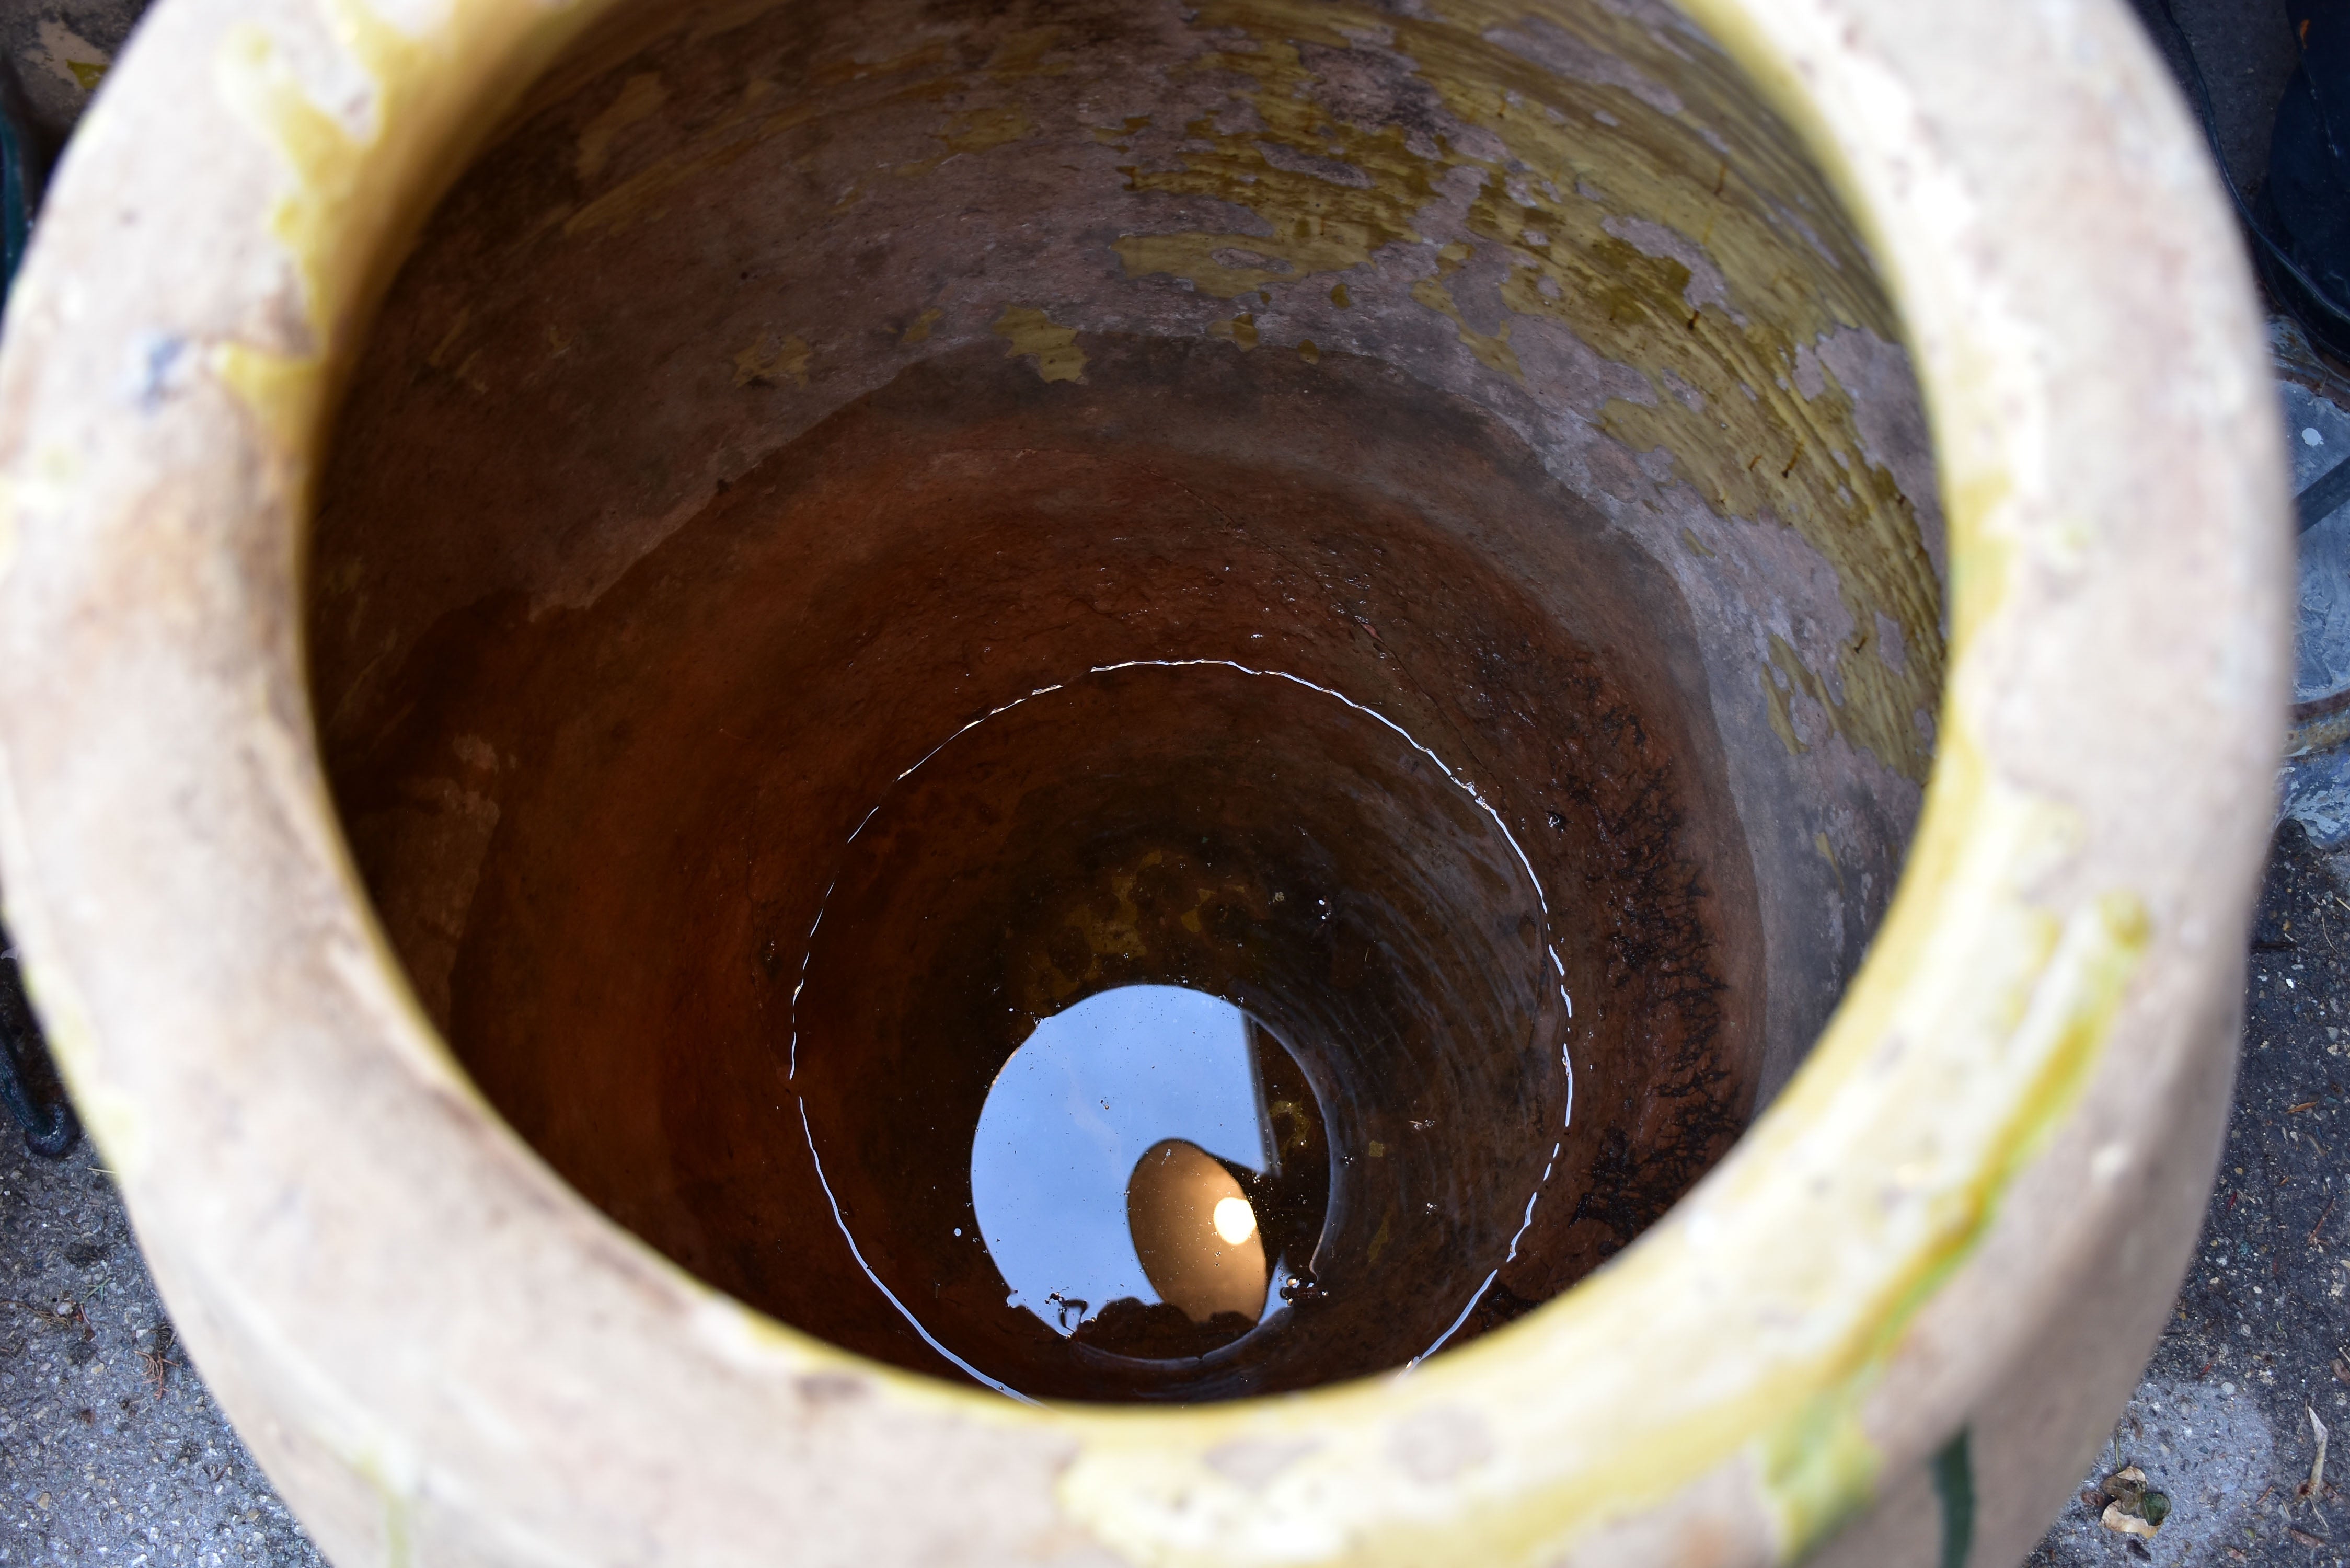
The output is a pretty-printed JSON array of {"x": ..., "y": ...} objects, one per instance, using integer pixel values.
[
  {"x": 754, "y": 120},
  {"x": 765, "y": 362},
  {"x": 974, "y": 131},
  {"x": 920, "y": 73},
  {"x": 1557, "y": 204},
  {"x": 1492, "y": 349},
  {"x": 640, "y": 98},
  {"x": 1370, "y": 187},
  {"x": 1240, "y": 331},
  {"x": 1053, "y": 349}
]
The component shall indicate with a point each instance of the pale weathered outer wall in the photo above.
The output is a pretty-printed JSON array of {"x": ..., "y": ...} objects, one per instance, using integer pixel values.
[
  {"x": 211, "y": 982},
  {"x": 2077, "y": 1275}
]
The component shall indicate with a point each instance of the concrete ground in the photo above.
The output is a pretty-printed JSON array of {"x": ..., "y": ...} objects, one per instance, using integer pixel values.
[{"x": 110, "y": 1450}]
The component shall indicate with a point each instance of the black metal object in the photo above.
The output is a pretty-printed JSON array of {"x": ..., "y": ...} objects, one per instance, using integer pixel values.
[
  {"x": 26, "y": 156},
  {"x": 2307, "y": 203},
  {"x": 29, "y": 1084},
  {"x": 28, "y": 1079},
  {"x": 2324, "y": 497},
  {"x": 2307, "y": 266}
]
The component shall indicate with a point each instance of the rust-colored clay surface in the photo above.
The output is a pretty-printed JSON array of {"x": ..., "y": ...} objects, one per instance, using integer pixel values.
[
  {"x": 645, "y": 801},
  {"x": 766, "y": 405}
]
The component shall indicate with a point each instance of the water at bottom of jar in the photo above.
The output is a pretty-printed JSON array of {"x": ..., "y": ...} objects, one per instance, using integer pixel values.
[
  {"x": 1143, "y": 1173},
  {"x": 1176, "y": 1033}
]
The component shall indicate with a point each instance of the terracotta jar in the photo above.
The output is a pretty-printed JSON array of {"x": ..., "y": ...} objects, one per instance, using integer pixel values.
[{"x": 1756, "y": 526}]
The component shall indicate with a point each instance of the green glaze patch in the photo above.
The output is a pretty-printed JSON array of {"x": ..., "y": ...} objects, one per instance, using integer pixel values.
[
  {"x": 1820, "y": 1468},
  {"x": 1954, "y": 1485}
]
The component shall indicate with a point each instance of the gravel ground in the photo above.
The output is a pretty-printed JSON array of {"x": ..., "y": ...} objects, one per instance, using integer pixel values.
[{"x": 110, "y": 1450}]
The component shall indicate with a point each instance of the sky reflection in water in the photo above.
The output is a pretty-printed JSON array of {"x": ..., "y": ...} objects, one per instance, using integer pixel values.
[{"x": 1077, "y": 1106}]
